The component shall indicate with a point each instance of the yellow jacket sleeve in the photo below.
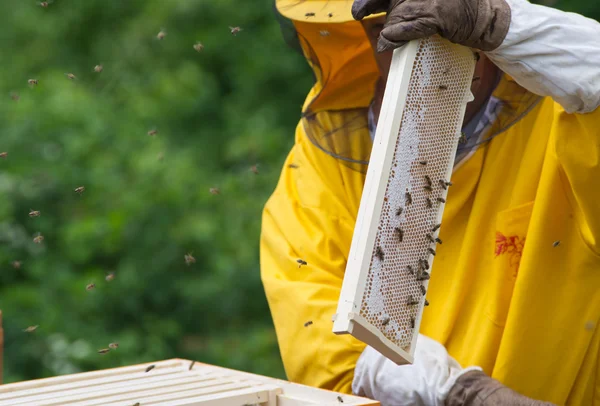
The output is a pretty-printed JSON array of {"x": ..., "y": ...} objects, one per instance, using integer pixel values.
[{"x": 308, "y": 218}]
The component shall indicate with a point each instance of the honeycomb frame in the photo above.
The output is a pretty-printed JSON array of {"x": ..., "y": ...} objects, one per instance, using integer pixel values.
[{"x": 394, "y": 241}]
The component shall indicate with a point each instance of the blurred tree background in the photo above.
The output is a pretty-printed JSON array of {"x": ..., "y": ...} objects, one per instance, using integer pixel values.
[{"x": 217, "y": 113}]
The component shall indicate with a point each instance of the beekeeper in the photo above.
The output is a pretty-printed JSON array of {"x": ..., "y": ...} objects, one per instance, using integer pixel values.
[{"x": 515, "y": 293}]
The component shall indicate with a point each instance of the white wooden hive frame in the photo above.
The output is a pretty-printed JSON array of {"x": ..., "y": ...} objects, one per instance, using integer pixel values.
[
  {"x": 169, "y": 383},
  {"x": 381, "y": 302}
]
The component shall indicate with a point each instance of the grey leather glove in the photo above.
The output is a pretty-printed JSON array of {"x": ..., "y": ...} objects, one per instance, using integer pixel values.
[
  {"x": 480, "y": 24},
  {"x": 477, "y": 389}
]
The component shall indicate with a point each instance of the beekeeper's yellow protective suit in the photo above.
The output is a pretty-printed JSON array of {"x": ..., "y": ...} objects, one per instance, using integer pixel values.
[{"x": 503, "y": 296}]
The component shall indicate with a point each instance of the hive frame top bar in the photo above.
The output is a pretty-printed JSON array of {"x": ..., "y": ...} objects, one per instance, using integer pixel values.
[
  {"x": 413, "y": 153},
  {"x": 174, "y": 382}
]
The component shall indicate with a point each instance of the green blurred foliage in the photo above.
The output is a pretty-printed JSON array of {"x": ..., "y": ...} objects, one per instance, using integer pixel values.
[{"x": 217, "y": 113}]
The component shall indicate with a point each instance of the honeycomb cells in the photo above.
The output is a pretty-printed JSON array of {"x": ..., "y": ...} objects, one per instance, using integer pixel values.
[{"x": 425, "y": 149}]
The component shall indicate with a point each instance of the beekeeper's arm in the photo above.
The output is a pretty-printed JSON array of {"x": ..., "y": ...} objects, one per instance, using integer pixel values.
[{"x": 547, "y": 51}]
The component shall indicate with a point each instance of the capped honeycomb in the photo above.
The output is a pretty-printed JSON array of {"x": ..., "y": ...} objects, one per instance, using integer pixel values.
[{"x": 417, "y": 184}]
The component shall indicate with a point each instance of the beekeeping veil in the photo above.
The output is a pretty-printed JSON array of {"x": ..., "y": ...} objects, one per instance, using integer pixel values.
[{"x": 335, "y": 111}]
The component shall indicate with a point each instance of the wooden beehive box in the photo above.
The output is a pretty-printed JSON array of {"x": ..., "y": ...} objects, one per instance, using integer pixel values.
[{"x": 174, "y": 382}]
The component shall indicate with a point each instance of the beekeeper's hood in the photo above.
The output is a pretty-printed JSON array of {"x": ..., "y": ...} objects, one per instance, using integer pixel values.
[{"x": 340, "y": 55}]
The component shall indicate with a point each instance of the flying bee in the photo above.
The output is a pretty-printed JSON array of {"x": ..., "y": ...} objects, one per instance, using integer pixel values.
[
  {"x": 3, "y": 154},
  {"x": 476, "y": 78},
  {"x": 330, "y": 15},
  {"x": 254, "y": 169},
  {"x": 429, "y": 238},
  {"x": 436, "y": 227},
  {"x": 34, "y": 213},
  {"x": 103, "y": 350},
  {"x": 411, "y": 301},
  {"x": 408, "y": 198},
  {"x": 189, "y": 259},
  {"x": 308, "y": 323},
  {"x": 379, "y": 253},
  {"x": 109, "y": 277},
  {"x": 191, "y": 365},
  {"x": 339, "y": 398},
  {"x": 556, "y": 243},
  {"x": 152, "y": 132},
  {"x": 309, "y": 15},
  {"x": 79, "y": 190},
  {"x": 399, "y": 211},
  {"x": 437, "y": 239},
  {"x": 32, "y": 82},
  {"x": 16, "y": 264},
  {"x": 45, "y": 4},
  {"x": 113, "y": 346},
  {"x": 399, "y": 233},
  {"x": 98, "y": 68},
  {"x": 429, "y": 203},
  {"x": 385, "y": 321},
  {"x": 90, "y": 286},
  {"x": 38, "y": 239},
  {"x": 423, "y": 290},
  {"x": 443, "y": 87},
  {"x": 214, "y": 190},
  {"x": 14, "y": 96},
  {"x": 150, "y": 368},
  {"x": 31, "y": 329},
  {"x": 198, "y": 47},
  {"x": 431, "y": 251},
  {"x": 412, "y": 322},
  {"x": 235, "y": 30},
  {"x": 441, "y": 200},
  {"x": 428, "y": 180},
  {"x": 70, "y": 76},
  {"x": 426, "y": 303},
  {"x": 161, "y": 35},
  {"x": 423, "y": 163},
  {"x": 293, "y": 166},
  {"x": 324, "y": 33},
  {"x": 301, "y": 262}
]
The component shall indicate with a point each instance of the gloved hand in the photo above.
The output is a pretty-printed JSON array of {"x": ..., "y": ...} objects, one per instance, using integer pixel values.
[
  {"x": 475, "y": 388},
  {"x": 480, "y": 24}
]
